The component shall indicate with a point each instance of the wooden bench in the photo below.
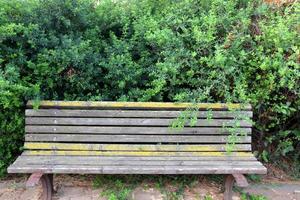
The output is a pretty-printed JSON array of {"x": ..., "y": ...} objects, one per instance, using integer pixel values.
[{"x": 134, "y": 138}]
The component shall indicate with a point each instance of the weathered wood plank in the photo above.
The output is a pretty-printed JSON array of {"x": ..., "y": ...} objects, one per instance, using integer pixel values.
[
  {"x": 227, "y": 157},
  {"x": 136, "y": 105},
  {"x": 86, "y": 162},
  {"x": 132, "y": 147},
  {"x": 130, "y": 122},
  {"x": 117, "y": 159},
  {"x": 130, "y": 153},
  {"x": 132, "y": 113},
  {"x": 138, "y": 169},
  {"x": 132, "y": 138},
  {"x": 135, "y": 130}
]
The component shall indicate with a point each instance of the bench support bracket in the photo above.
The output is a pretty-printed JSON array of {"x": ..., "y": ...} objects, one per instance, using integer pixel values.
[
  {"x": 240, "y": 180},
  {"x": 47, "y": 183}
]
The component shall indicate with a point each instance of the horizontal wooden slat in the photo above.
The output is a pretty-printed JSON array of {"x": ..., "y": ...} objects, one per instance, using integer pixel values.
[
  {"x": 132, "y": 113},
  {"x": 132, "y": 138},
  {"x": 224, "y": 157},
  {"x": 59, "y": 160},
  {"x": 70, "y": 169},
  {"x": 135, "y": 130},
  {"x": 136, "y": 105},
  {"x": 130, "y": 153},
  {"x": 129, "y": 122},
  {"x": 132, "y": 147}
]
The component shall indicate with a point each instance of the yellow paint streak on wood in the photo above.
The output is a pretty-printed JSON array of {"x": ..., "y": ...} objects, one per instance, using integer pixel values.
[
  {"x": 135, "y": 153},
  {"x": 137, "y": 104},
  {"x": 121, "y": 147}
]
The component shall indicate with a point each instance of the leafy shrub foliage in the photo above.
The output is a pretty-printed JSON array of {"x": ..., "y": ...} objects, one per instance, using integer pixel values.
[{"x": 153, "y": 50}]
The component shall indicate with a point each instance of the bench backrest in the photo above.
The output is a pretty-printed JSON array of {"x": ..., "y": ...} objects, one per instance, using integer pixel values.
[{"x": 113, "y": 128}]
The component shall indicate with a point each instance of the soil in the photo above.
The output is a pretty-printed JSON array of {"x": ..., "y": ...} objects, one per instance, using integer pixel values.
[{"x": 275, "y": 186}]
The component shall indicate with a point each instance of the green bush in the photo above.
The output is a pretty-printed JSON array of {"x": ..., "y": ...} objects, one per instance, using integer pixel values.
[{"x": 153, "y": 50}]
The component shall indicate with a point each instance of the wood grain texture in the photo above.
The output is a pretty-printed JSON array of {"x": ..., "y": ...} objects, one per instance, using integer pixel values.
[
  {"x": 132, "y": 147},
  {"x": 129, "y": 153},
  {"x": 222, "y": 157},
  {"x": 135, "y": 130},
  {"x": 205, "y": 164},
  {"x": 68, "y": 160},
  {"x": 78, "y": 169},
  {"x": 137, "y": 105},
  {"x": 133, "y": 138},
  {"x": 132, "y": 113},
  {"x": 119, "y": 159},
  {"x": 131, "y": 122}
]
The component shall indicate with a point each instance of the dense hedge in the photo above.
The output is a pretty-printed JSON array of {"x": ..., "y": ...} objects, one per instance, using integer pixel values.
[{"x": 152, "y": 50}]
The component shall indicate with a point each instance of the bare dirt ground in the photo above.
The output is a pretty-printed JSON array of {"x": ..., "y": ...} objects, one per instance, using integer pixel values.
[{"x": 78, "y": 187}]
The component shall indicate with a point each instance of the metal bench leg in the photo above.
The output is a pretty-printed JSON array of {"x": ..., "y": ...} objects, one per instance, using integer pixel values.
[
  {"x": 47, "y": 183},
  {"x": 229, "y": 181}
]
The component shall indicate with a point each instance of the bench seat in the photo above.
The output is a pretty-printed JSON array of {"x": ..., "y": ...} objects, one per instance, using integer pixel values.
[
  {"x": 137, "y": 165},
  {"x": 135, "y": 138}
]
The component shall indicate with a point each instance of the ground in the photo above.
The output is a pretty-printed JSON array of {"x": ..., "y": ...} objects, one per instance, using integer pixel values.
[{"x": 79, "y": 187}]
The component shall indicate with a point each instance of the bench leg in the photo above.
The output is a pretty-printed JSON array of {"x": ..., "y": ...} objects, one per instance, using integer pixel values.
[
  {"x": 47, "y": 183},
  {"x": 229, "y": 181}
]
